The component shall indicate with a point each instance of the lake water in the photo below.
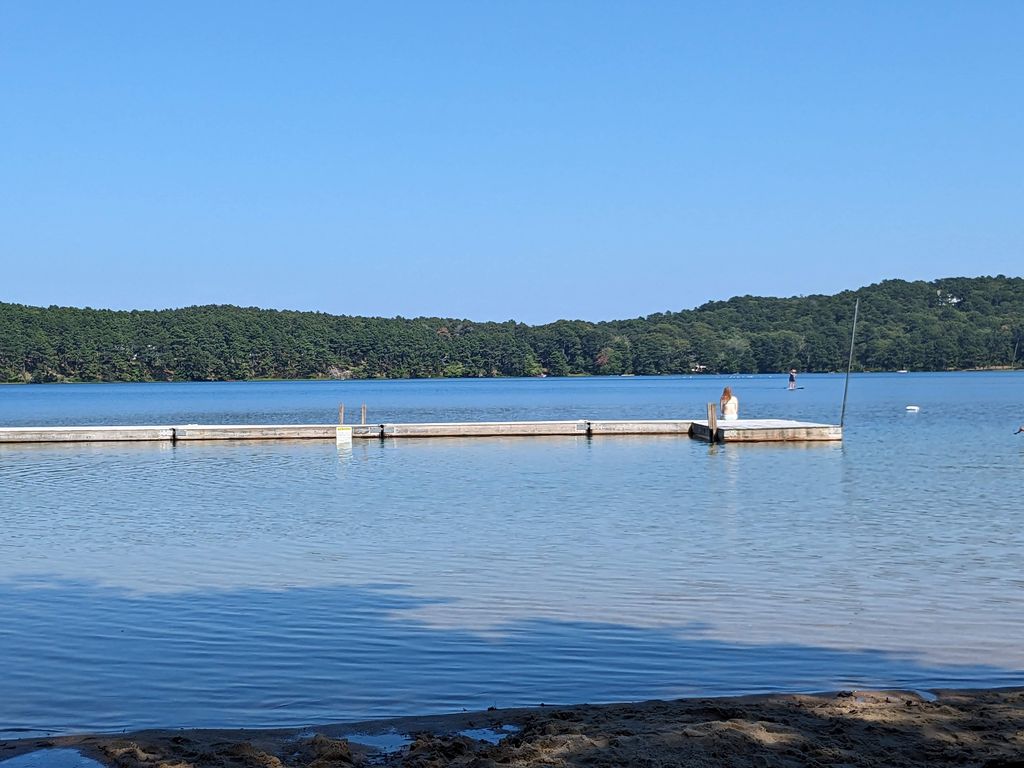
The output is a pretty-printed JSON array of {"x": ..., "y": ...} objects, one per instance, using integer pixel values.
[{"x": 288, "y": 583}]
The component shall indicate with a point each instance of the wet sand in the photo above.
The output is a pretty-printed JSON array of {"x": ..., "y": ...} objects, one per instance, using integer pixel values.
[{"x": 896, "y": 728}]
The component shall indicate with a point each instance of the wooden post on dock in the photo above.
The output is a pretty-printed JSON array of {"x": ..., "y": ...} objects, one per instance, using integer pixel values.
[
  {"x": 341, "y": 413},
  {"x": 363, "y": 414},
  {"x": 712, "y": 422}
]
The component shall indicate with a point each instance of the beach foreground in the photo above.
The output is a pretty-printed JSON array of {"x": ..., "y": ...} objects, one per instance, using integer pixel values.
[{"x": 894, "y": 728}]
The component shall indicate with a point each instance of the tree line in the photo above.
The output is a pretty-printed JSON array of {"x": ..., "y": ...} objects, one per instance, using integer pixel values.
[{"x": 947, "y": 324}]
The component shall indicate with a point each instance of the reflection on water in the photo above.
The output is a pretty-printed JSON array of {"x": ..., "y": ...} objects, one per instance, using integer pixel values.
[{"x": 283, "y": 583}]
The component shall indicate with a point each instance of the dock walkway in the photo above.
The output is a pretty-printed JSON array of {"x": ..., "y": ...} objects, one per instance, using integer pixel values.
[{"x": 748, "y": 430}]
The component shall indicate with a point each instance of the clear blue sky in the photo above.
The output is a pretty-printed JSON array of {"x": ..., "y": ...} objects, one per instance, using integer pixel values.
[{"x": 497, "y": 160}]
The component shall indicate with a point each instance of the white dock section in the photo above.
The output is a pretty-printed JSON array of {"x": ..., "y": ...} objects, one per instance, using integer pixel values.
[
  {"x": 83, "y": 434},
  {"x": 383, "y": 431},
  {"x": 766, "y": 431},
  {"x": 486, "y": 429},
  {"x": 255, "y": 432},
  {"x": 650, "y": 427},
  {"x": 537, "y": 428}
]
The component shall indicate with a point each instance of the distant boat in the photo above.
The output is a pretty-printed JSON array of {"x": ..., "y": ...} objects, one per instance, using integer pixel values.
[
  {"x": 913, "y": 408},
  {"x": 627, "y": 374},
  {"x": 902, "y": 370}
]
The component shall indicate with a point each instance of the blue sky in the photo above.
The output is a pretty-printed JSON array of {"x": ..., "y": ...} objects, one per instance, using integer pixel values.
[{"x": 498, "y": 160}]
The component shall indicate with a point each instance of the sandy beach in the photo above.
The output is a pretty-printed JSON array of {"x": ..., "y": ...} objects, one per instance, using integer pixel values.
[{"x": 849, "y": 728}]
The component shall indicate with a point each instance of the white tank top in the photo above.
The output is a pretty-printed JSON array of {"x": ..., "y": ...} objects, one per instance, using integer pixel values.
[{"x": 731, "y": 409}]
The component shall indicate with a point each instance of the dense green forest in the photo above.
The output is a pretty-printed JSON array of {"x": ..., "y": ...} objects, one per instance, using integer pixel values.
[{"x": 953, "y": 323}]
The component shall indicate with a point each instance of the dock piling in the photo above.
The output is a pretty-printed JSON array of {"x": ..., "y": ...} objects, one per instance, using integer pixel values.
[
  {"x": 849, "y": 367},
  {"x": 712, "y": 422}
]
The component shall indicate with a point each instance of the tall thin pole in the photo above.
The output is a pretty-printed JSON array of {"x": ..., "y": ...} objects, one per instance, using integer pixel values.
[{"x": 849, "y": 365}]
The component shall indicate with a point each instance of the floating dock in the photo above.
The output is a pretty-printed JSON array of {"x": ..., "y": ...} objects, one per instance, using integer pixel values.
[
  {"x": 84, "y": 434},
  {"x": 747, "y": 430},
  {"x": 764, "y": 431},
  {"x": 383, "y": 431}
]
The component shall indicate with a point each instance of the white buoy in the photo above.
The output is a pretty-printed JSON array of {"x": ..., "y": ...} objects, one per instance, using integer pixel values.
[
  {"x": 344, "y": 436},
  {"x": 913, "y": 408}
]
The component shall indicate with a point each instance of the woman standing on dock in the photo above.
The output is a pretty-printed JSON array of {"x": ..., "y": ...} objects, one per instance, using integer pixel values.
[{"x": 730, "y": 405}]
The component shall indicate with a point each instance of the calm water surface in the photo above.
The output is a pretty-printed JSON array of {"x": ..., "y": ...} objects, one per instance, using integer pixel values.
[{"x": 286, "y": 583}]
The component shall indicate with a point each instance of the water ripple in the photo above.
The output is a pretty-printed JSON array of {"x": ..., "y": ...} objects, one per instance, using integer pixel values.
[{"x": 284, "y": 583}]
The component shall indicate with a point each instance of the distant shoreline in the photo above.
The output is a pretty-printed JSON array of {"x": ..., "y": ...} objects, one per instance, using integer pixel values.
[
  {"x": 946, "y": 324},
  {"x": 903, "y": 728},
  {"x": 989, "y": 369}
]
